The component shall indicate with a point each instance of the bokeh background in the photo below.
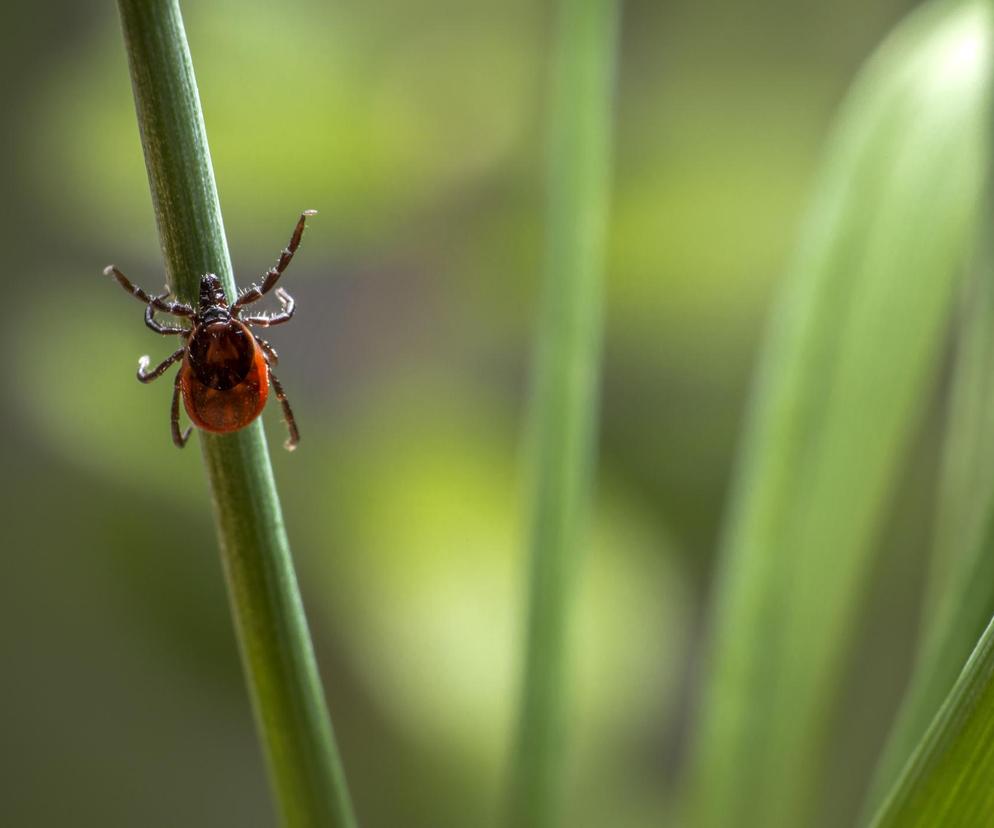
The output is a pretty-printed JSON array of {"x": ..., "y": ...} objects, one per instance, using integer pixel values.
[{"x": 416, "y": 128}]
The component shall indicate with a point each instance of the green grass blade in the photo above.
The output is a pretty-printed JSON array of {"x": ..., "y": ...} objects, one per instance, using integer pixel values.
[
  {"x": 950, "y": 778},
  {"x": 962, "y": 579},
  {"x": 269, "y": 618},
  {"x": 966, "y": 496},
  {"x": 845, "y": 378},
  {"x": 564, "y": 404}
]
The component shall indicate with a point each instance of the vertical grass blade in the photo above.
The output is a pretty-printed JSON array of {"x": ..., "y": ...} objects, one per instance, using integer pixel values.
[
  {"x": 279, "y": 663},
  {"x": 845, "y": 378},
  {"x": 564, "y": 404}
]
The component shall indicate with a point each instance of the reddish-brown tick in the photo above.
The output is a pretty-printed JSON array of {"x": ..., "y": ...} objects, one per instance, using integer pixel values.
[{"x": 227, "y": 369}]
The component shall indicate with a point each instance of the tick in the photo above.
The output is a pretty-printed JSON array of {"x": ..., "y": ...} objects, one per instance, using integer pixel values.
[{"x": 227, "y": 368}]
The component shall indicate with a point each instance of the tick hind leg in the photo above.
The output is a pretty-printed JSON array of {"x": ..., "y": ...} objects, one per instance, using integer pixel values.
[
  {"x": 144, "y": 375},
  {"x": 291, "y": 423},
  {"x": 179, "y": 437},
  {"x": 256, "y": 292},
  {"x": 272, "y": 357}
]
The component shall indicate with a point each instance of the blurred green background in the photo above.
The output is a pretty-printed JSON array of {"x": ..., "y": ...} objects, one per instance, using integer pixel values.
[{"x": 416, "y": 129}]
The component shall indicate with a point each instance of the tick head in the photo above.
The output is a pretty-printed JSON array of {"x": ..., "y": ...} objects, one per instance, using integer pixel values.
[{"x": 211, "y": 292}]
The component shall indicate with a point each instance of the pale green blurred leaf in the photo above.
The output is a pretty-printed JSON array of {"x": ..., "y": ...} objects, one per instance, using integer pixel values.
[{"x": 846, "y": 376}]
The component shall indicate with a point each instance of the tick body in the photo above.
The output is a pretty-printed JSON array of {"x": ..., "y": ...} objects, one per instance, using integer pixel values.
[
  {"x": 224, "y": 378},
  {"x": 226, "y": 368}
]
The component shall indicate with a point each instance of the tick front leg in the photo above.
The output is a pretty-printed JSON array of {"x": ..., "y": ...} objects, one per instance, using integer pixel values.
[
  {"x": 144, "y": 375},
  {"x": 175, "y": 308},
  {"x": 256, "y": 292},
  {"x": 264, "y": 320},
  {"x": 179, "y": 437},
  {"x": 291, "y": 423}
]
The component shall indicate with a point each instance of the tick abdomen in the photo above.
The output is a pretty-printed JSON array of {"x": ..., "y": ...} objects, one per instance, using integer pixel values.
[
  {"x": 221, "y": 354},
  {"x": 224, "y": 378}
]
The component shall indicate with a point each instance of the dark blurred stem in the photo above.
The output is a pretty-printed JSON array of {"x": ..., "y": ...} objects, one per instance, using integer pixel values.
[
  {"x": 277, "y": 655},
  {"x": 565, "y": 384}
]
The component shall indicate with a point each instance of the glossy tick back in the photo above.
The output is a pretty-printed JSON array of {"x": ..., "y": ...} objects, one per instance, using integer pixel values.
[{"x": 227, "y": 369}]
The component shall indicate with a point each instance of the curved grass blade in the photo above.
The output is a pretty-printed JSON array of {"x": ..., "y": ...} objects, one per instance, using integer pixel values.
[{"x": 846, "y": 374}]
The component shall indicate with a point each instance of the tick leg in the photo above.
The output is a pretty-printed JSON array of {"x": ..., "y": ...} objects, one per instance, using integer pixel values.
[
  {"x": 291, "y": 423},
  {"x": 175, "y": 308},
  {"x": 272, "y": 357},
  {"x": 179, "y": 437},
  {"x": 256, "y": 292},
  {"x": 144, "y": 375},
  {"x": 158, "y": 327},
  {"x": 265, "y": 320}
]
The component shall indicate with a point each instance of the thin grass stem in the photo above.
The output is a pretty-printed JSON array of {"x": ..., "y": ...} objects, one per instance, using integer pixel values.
[
  {"x": 564, "y": 404},
  {"x": 278, "y": 658}
]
